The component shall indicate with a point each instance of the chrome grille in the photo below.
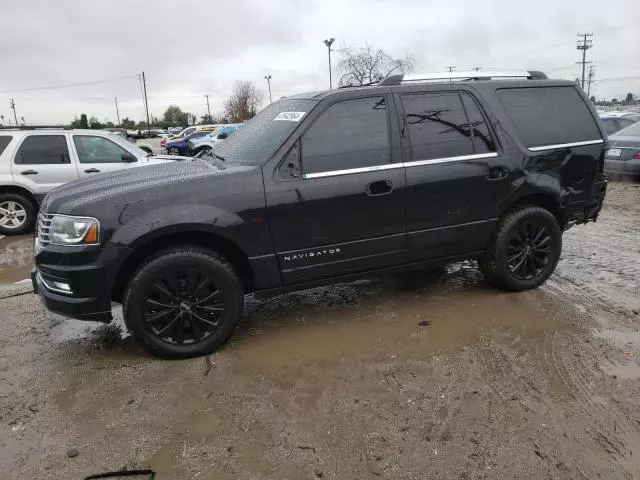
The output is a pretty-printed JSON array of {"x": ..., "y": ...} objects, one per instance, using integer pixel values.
[{"x": 44, "y": 223}]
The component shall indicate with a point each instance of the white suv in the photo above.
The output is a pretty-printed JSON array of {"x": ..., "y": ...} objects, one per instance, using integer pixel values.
[{"x": 34, "y": 161}]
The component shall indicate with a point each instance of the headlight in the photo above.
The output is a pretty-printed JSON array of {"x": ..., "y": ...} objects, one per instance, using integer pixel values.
[{"x": 66, "y": 230}]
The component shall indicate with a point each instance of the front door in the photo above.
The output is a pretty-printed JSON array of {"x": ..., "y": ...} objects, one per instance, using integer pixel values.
[
  {"x": 98, "y": 154},
  {"x": 454, "y": 174},
  {"x": 42, "y": 162},
  {"x": 336, "y": 205}
]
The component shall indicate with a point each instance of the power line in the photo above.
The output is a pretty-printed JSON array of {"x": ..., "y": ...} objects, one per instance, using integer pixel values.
[
  {"x": 585, "y": 44},
  {"x": 52, "y": 87}
]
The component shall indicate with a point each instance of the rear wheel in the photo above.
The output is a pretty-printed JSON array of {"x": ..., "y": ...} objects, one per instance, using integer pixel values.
[
  {"x": 184, "y": 302},
  {"x": 173, "y": 151},
  {"x": 17, "y": 214},
  {"x": 525, "y": 249}
]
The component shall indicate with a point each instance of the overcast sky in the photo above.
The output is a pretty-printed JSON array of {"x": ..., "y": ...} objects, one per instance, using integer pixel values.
[{"x": 190, "y": 48}]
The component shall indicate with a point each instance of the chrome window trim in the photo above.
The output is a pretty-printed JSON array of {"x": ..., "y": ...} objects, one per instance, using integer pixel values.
[
  {"x": 460, "y": 158},
  {"x": 391, "y": 166},
  {"x": 565, "y": 145}
]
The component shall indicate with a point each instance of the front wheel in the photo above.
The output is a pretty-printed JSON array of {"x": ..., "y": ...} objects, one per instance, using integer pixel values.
[
  {"x": 173, "y": 151},
  {"x": 184, "y": 302},
  {"x": 525, "y": 249}
]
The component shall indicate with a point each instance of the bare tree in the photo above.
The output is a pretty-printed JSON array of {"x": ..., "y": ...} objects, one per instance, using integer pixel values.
[
  {"x": 364, "y": 65},
  {"x": 243, "y": 102}
]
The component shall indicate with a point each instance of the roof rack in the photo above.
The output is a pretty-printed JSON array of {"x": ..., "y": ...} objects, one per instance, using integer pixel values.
[
  {"x": 409, "y": 79},
  {"x": 36, "y": 127}
]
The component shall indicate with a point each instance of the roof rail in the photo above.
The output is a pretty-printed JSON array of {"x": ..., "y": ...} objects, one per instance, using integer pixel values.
[
  {"x": 408, "y": 79},
  {"x": 35, "y": 127}
]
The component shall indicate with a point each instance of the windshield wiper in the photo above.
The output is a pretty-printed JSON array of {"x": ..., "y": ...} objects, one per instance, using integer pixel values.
[{"x": 218, "y": 156}]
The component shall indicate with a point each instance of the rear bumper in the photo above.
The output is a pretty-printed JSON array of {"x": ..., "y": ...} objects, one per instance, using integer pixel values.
[
  {"x": 587, "y": 211},
  {"x": 625, "y": 167}
]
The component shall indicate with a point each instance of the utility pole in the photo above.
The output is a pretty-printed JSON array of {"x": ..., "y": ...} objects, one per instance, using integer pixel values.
[
  {"x": 476, "y": 68},
  {"x": 591, "y": 75},
  {"x": 268, "y": 79},
  {"x": 584, "y": 44},
  {"x": 117, "y": 111},
  {"x": 208, "y": 107},
  {"x": 12, "y": 104},
  {"x": 451, "y": 68},
  {"x": 146, "y": 102},
  {"x": 328, "y": 43}
]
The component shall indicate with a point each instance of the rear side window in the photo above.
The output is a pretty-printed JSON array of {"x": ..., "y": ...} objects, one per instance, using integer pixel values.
[
  {"x": 438, "y": 126},
  {"x": 4, "y": 141},
  {"x": 43, "y": 150},
  {"x": 350, "y": 134},
  {"x": 549, "y": 115}
]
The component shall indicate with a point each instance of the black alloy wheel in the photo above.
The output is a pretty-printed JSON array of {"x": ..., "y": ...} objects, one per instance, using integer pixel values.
[
  {"x": 528, "y": 249},
  {"x": 183, "y": 307},
  {"x": 183, "y": 302}
]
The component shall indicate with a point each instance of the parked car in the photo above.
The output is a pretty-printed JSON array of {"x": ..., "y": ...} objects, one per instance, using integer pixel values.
[
  {"x": 208, "y": 141},
  {"x": 614, "y": 121},
  {"x": 194, "y": 128},
  {"x": 623, "y": 155},
  {"x": 181, "y": 146},
  {"x": 326, "y": 187},
  {"x": 32, "y": 162}
]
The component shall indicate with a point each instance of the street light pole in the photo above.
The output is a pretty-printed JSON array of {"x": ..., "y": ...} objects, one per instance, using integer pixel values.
[
  {"x": 328, "y": 43},
  {"x": 12, "y": 104},
  {"x": 208, "y": 107},
  {"x": 268, "y": 78}
]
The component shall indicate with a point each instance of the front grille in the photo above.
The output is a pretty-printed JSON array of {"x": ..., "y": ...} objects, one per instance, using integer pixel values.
[{"x": 44, "y": 223}]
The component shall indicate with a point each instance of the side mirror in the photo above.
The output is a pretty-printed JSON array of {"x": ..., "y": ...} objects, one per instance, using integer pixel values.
[
  {"x": 223, "y": 135},
  {"x": 128, "y": 158}
]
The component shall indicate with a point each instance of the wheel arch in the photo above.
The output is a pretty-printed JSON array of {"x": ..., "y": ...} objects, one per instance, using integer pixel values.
[
  {"x": 543, "y": 200},
  {"x": 20, "y": 191},
  {"x": 146, "y": 249}
]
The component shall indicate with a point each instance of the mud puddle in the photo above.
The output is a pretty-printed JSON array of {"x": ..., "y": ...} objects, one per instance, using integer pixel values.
[{"x": 16, "y": 258}]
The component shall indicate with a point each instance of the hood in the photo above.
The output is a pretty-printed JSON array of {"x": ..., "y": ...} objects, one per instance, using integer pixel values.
[{"x": 163, "y": 180}]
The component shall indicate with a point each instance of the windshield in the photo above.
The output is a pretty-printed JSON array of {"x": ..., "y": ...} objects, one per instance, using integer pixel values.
[
  {"x": 259, "y": 138},
  {"x": 630, "y": 131},
  {"x": 132, "y": 147}
]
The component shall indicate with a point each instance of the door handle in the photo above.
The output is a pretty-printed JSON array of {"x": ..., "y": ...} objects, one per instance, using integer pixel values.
[
  {"x": 28, "y": 172},
  {"x": 379, "y": 188},
  {"x": 498, "y": 173},
  {"x": 92, "y": 170}
]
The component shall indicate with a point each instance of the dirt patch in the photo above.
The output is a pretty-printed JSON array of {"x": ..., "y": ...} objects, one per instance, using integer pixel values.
[{"x": 431, "y": 375}]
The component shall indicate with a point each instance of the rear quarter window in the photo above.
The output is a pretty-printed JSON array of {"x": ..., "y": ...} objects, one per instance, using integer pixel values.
[
  {"x": 549, "y": 115},
  {"x": 4, "y": 141}
]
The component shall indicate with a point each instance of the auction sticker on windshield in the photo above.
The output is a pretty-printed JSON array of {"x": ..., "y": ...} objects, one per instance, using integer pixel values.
[{"x": 290, "y": 116}]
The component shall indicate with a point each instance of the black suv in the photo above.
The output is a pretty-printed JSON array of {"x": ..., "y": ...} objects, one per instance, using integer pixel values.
[{"x": 326, "y": 187}]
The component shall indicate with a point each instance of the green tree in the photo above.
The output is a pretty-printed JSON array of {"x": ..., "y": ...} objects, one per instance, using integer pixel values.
[
  {"x": 629, "y": 98},
  {"x": 175, "y": 117},
  {"x": 94, "y": 123},
  {"x": 127, "y": 123},
  {"x": 80, "y": 122}
]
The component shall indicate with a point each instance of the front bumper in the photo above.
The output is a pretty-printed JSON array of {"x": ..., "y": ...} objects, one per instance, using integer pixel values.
[
  {"x": 88, "y": 271},
  {"x": 94, "y": 309}
]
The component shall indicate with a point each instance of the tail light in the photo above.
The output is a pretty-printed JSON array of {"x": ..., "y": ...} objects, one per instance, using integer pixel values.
[
  {"x": 637, "y": 156},
  {"x": 163, "y": 143}
]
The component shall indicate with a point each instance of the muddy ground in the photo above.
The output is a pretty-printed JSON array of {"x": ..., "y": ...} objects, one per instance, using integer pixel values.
[{"x": 422, "y": 376}]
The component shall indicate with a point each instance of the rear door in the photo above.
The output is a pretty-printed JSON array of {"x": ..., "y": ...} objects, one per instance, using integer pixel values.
[
  {"x": 97, "y": 154},
  {"x": 42, "y": 162},
  {"x": 454, "y": 173},
  {"x": 343, "y": 210}
]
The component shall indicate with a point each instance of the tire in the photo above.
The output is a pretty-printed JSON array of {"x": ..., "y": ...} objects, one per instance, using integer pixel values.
[
  {"x": 17, "y": 214},
  {"x": 171, "y": 287},
  {"x": 534, "y": 234},
  {"x": 173, "y": 151}
]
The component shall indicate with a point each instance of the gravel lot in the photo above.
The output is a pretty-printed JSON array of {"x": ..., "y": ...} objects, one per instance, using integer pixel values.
[{"x": 423, "y": 376}]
